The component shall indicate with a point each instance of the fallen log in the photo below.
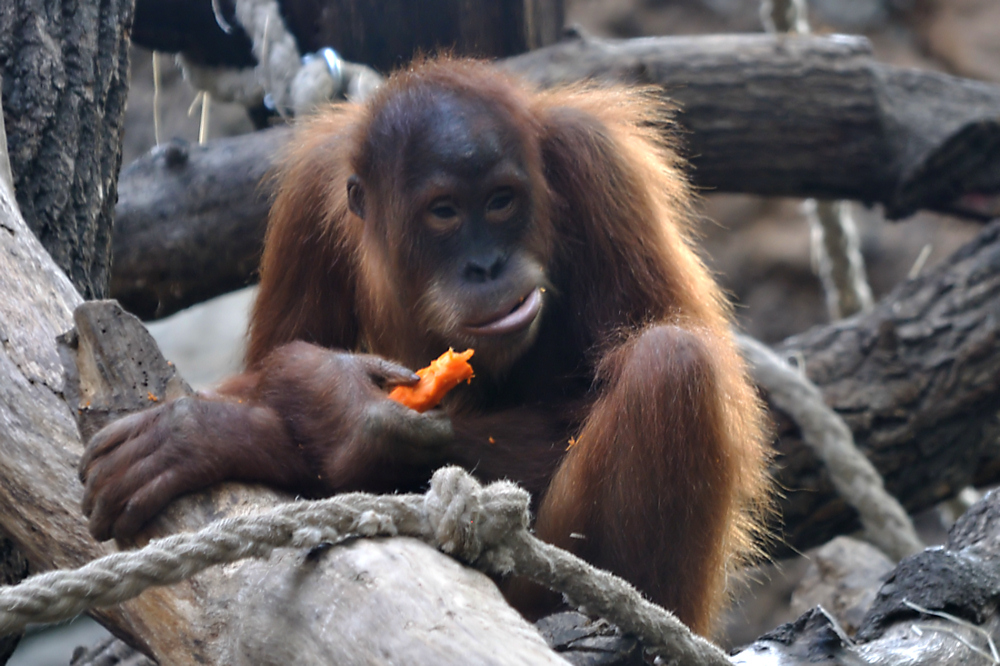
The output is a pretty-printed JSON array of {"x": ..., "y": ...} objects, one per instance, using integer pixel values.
[
  {"x": 190, "y": 222},
  {"x": 918, "y": 382},
  {"x": 771, "y": 115},
  {"x": 792, "y": 115}
]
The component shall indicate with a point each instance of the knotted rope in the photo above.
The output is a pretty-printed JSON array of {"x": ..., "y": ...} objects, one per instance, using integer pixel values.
[{"x": 487, "y": 527}]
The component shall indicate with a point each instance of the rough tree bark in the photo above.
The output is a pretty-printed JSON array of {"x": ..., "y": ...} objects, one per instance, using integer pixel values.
[
  {"x": 202, "y": 250},
  {"x": 63, "y": 77},
  {"x": 918, "y": 382},
  {"x": 770, "y": 115},
  {"x": 64, "y": 66},
  {"x": 39, "y": 489},
  {"x": 222, "y": 616}
]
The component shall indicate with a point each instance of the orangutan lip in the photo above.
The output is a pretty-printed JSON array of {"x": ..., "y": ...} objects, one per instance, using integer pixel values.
[{"x": 519, "y": 317}]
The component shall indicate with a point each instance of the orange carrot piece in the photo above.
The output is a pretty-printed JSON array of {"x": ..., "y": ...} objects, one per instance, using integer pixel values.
[{"x": 442, "y": 375}]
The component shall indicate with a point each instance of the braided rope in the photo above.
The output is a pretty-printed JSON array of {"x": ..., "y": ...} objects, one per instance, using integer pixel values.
[
  {"x": 483, "y": 526},
  {"x": 885, "y": 521}
]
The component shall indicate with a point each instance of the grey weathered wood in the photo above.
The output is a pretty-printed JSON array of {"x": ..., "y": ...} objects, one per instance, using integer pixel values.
[
  {"x": 63, "y": 74},
  {"x": 918, "y": 382},
  {"x": 191, "y": 222},
  {"x": 798, "y": 116},
  {"x": 805, "y": 116},
  {"x": 121, "y": 369},
  {"x": 65, "y": 65},
  {"x": 959, "y": 579},
  {"x": 396, "y": 601},
  {"x": 39, "y": 442},
  {"x": 13, "y": 564}
]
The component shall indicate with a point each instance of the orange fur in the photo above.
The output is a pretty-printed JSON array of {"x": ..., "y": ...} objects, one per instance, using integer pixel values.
[
  {"x": 625, "y": 255},
  {"x": 630, "y": 360}
]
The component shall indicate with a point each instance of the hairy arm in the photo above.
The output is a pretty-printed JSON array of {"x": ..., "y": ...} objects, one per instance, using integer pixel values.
[{"x": 310, "y": 420}]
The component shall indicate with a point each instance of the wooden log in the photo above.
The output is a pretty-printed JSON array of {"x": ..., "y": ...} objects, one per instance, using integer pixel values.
[
  {"x": 576, "y": 637},
  {"x": 39, "y": 489},
  {"x": 330, "y": 605},
  {"x": 918, "y": 382},
  {"x": 351, "y": 594},
  {"x": 191, "y": 222},
  {"x": 802, "y": 116},
  {"x": 791, "y": 115}
]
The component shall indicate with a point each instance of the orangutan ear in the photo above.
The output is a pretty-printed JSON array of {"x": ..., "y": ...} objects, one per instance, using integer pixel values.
[{"x": 356, "y": 196}]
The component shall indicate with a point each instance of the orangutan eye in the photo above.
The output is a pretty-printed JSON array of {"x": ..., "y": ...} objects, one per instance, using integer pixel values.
[
  {"x": 443, "y": 215},
  {"x": 444, "y": 210},
  {"x": 501, "y": 201}
]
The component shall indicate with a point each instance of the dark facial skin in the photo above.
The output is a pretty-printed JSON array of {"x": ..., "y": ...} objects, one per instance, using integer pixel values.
[{"x": 471, "y": 225}]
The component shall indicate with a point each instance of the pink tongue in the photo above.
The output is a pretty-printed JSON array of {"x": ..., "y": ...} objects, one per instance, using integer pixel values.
[{"x": 518, "y": 318}]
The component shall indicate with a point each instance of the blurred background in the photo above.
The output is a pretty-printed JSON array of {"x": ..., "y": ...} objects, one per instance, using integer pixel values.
[{"x": 759, "y": 248}]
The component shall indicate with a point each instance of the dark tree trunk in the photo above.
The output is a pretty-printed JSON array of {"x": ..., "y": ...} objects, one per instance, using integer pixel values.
[
  {"x": 918, "y": 382},
  {"x": 64, "y": 65},
  {"x": 64, "y": 73}
]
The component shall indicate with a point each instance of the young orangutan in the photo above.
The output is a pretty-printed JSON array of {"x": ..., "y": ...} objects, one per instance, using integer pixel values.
[{"x": 549, "y": 232}]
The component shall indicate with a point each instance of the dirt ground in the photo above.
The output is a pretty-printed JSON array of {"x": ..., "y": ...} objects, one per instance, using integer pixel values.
[{"x": 758, "y": 247}]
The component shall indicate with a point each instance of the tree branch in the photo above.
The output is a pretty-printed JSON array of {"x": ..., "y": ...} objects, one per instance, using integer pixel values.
[
  {"x": 772, "y": 115},
  {"x": 918, "y": 382},
  {"x": 885, "y": 523}
]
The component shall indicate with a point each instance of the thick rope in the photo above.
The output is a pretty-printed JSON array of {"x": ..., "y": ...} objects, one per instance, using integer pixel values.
[
  {"x": 486, "y": 527},
  {"x": 836, "y": 249},
  {"x": 833, "y": 234},
  {"x": 885, "y": 521}
]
